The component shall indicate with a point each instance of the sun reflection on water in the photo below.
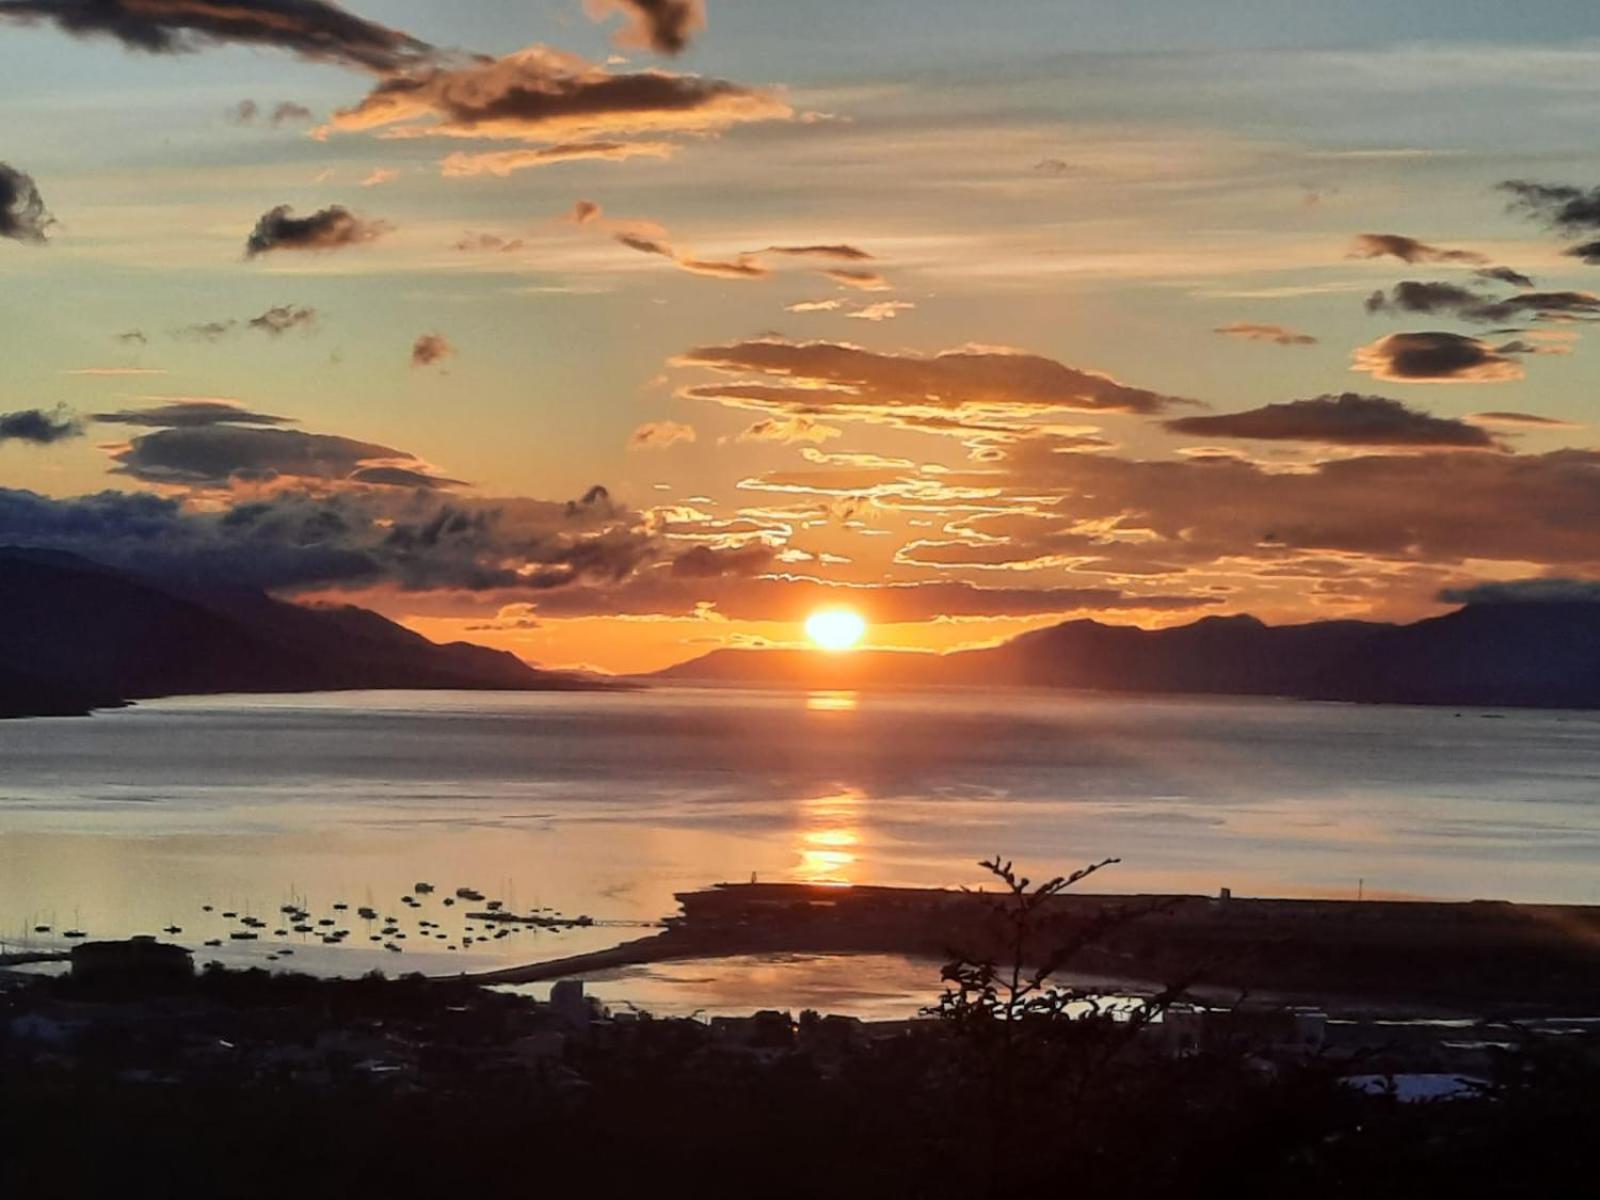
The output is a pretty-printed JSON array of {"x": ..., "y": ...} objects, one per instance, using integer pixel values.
[
  {"x": 830, "y": 837},
  {"x": 832, "y": 702}
]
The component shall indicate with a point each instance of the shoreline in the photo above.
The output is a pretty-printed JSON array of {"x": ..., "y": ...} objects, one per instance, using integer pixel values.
[{"x": 1472, "y": 956}]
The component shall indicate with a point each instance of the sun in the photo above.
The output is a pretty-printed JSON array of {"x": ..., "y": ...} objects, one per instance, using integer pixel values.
[{"x": 836, "y": 629}]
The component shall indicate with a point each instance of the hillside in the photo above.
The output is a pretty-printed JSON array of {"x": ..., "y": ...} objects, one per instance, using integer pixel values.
[
  {"x": 1500, "y": 655},
  {"x": 76, "y": 636}
]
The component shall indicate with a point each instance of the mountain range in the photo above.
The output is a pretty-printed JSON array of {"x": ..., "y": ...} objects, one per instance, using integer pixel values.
[
  {"x": 76, "y": 636},
  {"x": 1511, "y": 654}
]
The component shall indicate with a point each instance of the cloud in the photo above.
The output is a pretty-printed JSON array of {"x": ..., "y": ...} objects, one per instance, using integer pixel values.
[
  {"x": 812, "y": 306},
  {"x": 288, "y": 112},
  {"x": 883, "y": 310},
  {"x": 543, "y": 95},
  {"x": 23, "y": 217},
  {"x": 1520, "y": 418},
  {"x": 190, "y": 413},
  {"x": 489, "y": 241},
  {"x": 244, "y": 113},
  {"x": 430, "y": 348},
  {"x": 839, "y": 250},
  {"x": 788, "y": 598},
  {"x": 281, "y": 318},
  {"x": 664, "y": 26},
  {"x": 502, "y": 163},
  {"x": 745, "y": 266},
  {"x": 790, "y": 431},
  {"x": 275, "y": 321},
  {"x": 585, "y": 211},
  {"x": 409, "y": 538},
  {"x": 1559, "y": 205},
  {"x": 1505, "y": 275},
  {"x": 327, "y": 229},
  {"x": 957, "y": 391},
  {"x": 1433, "y": 357},
  {"x": 133, "y": 336},
  {"x": 1170, "y": 517},
  {"x": 1408, "y": 249},
  {"x": 380, "y": 176},
  {"x": 863, "y": 281},
  {"x": 224, "y": 454},
  {"x": 706, "y": 562},
  {"x": 1414, "y": 296},
  {"x": 1526, "y": 591},
  {"x": 658, "y": 435},
  {"x": 313, "y": 29},
  {"x": 1589, "y": 252},
  {"x": 38, "y": 427},
  {"x": 1278, "y": 335},
  {"x": 1346, "y": 420}
]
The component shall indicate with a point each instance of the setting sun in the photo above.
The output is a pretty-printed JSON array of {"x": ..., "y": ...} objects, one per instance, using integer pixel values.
[{"x": 835, "y": 628}]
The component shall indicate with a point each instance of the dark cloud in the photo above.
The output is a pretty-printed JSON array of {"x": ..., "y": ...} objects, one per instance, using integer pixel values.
[
  {"x": 1444, "y": 508},
  {"x": 644, "y": 245},
  {"x": 1278, "y": 335},
  {"x": 410, "y": 538},
  {"x": 327, "y": 229},
  {"x": 839, "y": 250},
  {"x": 957, "y": 392},
  {"x": 401, "y": 477},
  {"x": 542, "y": 95},
  {"x": 1434, "y": 357},
  {"x": 276, "y": 321},
  {"x": 1347, "y": 420},
  {"x": 281, "y": 318},
  {"x": 745, "y": 266},
  {"x": 39, "y": 427},
  {"x": 188, "y": 414},
  {"x": 313, "y": 29},
  {"x": 705, "y": 562},
  {"x": 862, "y": 281},
  {"x": 430, "y": 348},
  {"x": 1505, "y": 275},
  {"x": 1560, "y": 205},
  {"x": 244, "y": 113},
  {"x": 1413, "y": 296},
  {"x": 1589, "y": 252},
  {"x": 133, "y": 337},
  {"x": 1519, "y": 418},
  {"x": 1526, "y": 591},
  {"x": 23, "y": 216},
  {"x": 1408, "y": 249},
  {"x": 585, "y": 211},
  {"x": 288, "y": 112},
  {"x": 661, "y": 25},
  {"x": 220, "y": 454}
]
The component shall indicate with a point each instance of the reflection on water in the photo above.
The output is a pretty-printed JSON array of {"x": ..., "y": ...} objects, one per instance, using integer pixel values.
[
  {"x": 829, "y": 837},
  {"x": 832, "y": 702},
  {"x": 608, "y": 804}
]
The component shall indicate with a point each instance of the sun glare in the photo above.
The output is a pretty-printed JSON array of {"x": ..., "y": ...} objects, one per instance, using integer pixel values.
[{"x": 835, "y": 628}]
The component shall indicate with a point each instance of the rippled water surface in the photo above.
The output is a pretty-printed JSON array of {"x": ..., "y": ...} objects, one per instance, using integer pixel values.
[{"x": 607, "y": 804}]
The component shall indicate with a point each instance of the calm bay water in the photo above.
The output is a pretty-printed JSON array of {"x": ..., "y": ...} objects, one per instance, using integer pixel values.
[{"x": 607, "y": 804}]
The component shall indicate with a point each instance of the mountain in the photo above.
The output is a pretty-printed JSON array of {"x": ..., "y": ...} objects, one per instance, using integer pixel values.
[
  {"x": 1544, "y": 655},
  {"x": 75, "y": 636}
]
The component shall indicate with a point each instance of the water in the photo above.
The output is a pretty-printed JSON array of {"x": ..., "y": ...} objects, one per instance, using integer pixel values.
[{"x": 607, "y": 804}]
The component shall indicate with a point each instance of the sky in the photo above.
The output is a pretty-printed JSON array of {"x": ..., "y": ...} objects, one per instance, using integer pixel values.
[{"x": 613, "y": 333}]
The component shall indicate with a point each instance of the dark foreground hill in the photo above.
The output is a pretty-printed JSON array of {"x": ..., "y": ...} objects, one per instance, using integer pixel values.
[
  {"x": 75, "y": 636},
  {"x": 1512, "y": 654}
]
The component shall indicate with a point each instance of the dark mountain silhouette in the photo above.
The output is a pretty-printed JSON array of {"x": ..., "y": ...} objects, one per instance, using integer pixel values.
[
  {"x": 1496, "y": 655},
  {"x": 75, "y": 636}
]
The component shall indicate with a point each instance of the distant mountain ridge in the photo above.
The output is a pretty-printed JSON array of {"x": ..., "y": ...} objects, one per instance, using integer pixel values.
[
  {"x": 1532, "y": 654},
  {"x": 75, "y": 636}
]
